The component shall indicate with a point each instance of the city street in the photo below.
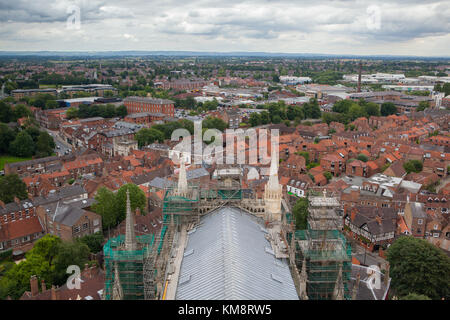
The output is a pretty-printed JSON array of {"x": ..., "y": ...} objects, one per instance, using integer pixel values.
[{"x": 61, "y": 146}]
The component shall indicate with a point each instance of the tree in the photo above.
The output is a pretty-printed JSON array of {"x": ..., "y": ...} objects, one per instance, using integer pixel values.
[
  {"x": 39, "y": 262},
  {"x": 51, "y": 104},
  {"x": 6, "y": 136},
  {"x": 93, "y": 241},
  {"x": 33, "y": 131},
  {"x": 415, "y": 296},
  {"x": 388, "y": 108},
  {"x": 362, "y": 157},
  {"x": 356, "y": 111},
  {"x": 21, "y": 111},
  {"x": 300, "y": 212},
  {"x": 304, "y": 154},
  {"x": 12, "y": 186},
  {"x": 419, "y": 267},
  {"x": 312, "y": 109},
  {"x": 106, "y": 207},
  {"x": 6, "y": 113},
  {"x": 265, "y": 117},
  {"x": 45, "y": 144},
  {"x": 328, "y": 175},
  {"x": 23, "y": 145},
  {"x": 121, "y": 111},
  {"x": 72, "y": 113},
  {"x": 423, "y": 105},
  {"x": 214, "y": 123},
  {"x": 342, "y": 106},
  {"x": 371, "y": 109},
  {"x": 137, "y": 200},
  {"x": 146, "y": 136},
  {"x": 413, "y": 166},
  {"x": 69, "y": 253},
  {"x": 255, "y": 119},
  {"x": 276, "y": 119}
]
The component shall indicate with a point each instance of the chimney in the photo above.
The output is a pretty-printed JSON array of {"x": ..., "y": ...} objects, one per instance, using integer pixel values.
[
  {"x": 378, "y": 219},
  {"x": 55, "y": 293},
  {"x": 16, "y": 200},
  {"x": 354, "y": 194},
  {"x": 138, "y": 211},
  {"x": 43, "y": 287},
  {"x": 87, "y": 271},
  {"x": 353, "y": 214},
  {"x": 2, "y": 204},
  {"x": 34, "y": 286}
]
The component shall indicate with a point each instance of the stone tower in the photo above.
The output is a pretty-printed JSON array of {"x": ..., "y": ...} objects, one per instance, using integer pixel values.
[{"x": 273, "y": 190}]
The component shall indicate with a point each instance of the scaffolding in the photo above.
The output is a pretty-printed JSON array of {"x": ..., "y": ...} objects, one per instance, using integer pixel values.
[
  {"x": 176, "y": 204},
  {"x": 129, "y": 264},
  {"x": 325, "y": 251},
  {"x": 142, "y": 271}
]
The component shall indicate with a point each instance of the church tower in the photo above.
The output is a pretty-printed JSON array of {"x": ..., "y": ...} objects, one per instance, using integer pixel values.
[
  {"x": 182, "y": 188},
  {"x": 273, "y": 190}
]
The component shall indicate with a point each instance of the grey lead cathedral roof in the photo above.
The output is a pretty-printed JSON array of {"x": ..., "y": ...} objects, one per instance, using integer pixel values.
[{"x": 227, "y": 257}]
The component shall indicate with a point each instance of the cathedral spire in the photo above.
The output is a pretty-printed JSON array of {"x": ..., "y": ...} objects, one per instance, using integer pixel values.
[
  {"x": 182, "y": 180},
  {"x": 130, "y": 237}
]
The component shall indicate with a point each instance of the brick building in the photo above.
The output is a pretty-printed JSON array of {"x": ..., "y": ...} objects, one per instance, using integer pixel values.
[{"x": 141, "y": 104}]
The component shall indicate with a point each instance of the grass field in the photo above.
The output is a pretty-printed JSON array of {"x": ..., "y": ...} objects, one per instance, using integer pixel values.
[{"x": 10, "y": 159}]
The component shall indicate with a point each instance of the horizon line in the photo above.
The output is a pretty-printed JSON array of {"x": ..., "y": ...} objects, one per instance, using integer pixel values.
[{"x": 197, "y": 52}]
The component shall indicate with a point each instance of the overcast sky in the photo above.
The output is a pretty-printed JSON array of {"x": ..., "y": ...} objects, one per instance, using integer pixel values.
[{"x": 399, "y": 27}]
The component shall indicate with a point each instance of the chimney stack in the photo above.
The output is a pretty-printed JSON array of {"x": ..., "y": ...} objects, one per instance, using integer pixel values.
[
  {"x": 2, "y": 204},
  {"x": 43, "y": 286},
  {"x": 55, "y": 293},
  {"x": 378, "y": 219},
  {"x": 34, "y": 286}
]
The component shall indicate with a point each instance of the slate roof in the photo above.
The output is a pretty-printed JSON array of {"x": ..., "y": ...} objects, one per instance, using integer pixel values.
[
  {"x": 227, "y": 257},
  {"x": 67, "y": 213}
]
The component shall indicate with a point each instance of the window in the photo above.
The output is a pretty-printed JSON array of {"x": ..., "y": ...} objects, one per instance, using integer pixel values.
[
  {"x": 420, "y": 221},
  {"x": 13, "y": 217},
  {"x": 436, "y": 227},
  {"x": 76, "y": 229},
  {"x": 85, "y": 226},
  {"x": 96, "y": 222}
]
